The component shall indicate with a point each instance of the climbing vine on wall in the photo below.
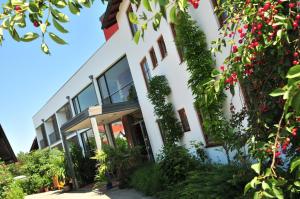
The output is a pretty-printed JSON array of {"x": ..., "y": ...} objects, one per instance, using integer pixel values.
[
  {"x": 159, "y": 90},
  {"x": 200, "y": 65}
]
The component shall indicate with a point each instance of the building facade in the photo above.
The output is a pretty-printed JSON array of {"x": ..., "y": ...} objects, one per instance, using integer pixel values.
[{"x": 106, "y": 99}]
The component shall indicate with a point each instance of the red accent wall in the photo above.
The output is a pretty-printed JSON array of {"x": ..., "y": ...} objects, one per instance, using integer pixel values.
[{"x": 108, "y": 32}]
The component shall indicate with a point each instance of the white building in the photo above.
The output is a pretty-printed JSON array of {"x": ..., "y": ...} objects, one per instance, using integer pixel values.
[{"x": 96, "y": 102}]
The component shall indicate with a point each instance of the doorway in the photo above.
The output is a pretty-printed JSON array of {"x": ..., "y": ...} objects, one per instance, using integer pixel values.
[{"x": 141, "y": 139}]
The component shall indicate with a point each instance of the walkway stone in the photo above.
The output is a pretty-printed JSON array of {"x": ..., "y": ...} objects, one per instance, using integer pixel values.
[{"x": 88, "y": 194}]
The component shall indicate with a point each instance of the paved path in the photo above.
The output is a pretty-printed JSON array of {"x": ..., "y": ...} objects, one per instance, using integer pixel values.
[{"x": 87, "y": 194}]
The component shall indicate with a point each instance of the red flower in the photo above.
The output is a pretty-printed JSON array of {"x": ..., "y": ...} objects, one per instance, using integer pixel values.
[
  {"x": 222, "y": 68},
  {"x": 234, "y": 49},
  {"x": 294, "y": 132}
]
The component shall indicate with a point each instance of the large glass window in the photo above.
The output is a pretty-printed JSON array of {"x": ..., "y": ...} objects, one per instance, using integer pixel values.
[
  {"x": 85, "y": 99},
  {"x": 116, "y": 85}
]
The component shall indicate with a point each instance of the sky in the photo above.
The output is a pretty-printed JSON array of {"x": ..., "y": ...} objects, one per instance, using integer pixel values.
[{"x": 28, "y": 78}]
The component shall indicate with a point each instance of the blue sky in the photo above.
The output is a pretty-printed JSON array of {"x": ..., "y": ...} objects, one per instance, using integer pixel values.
[{"x": 28, "y": 78}]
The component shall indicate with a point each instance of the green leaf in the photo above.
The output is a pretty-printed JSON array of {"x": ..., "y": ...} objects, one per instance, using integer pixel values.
[
  {"x": 56, "y": 38},
  {"x": 295, "y": 163},
  {"x": 163, "y": 2},
  {"x": 33, "y": 7},
  {"x": 296, "y": 102},
  {"x": 133, "y": 18},
  {"x": 277, "y": 92},
  {"x": 256, "y": 167},
  {"x": 43, "y": 27},
  {"x": 73, "y": 8},
  {"x": 268, "y": 195},
  {"x": 147, "y": 5},
  {"x": 59, "y": 15},
  {"x": 297, "y": 183},
  {"x": 247, "y": 187},
  {"x": 29, "y": 37},
  {"x": 14, "y": 34},
  {"x": 45, "y": 48},
  {"x": 294, "y": 72},
  {"x": 182, "y": 4},
  {"x": 86, "y": 3},
  {"x": 265, "y": 186},
  {"x": 137, "y": 36},
  {"x": 278, "y": 193},
  {"x": 173, "y": 14},
  {"x": 59, "y": 27},
  {"x": 60, "y": 3}
]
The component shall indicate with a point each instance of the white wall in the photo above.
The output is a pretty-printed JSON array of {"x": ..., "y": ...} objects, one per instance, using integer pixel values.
[{"x": 120, "y": 44}]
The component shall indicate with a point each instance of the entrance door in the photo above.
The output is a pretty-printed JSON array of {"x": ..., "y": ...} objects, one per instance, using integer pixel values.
[{"x": 142, "y": 139}]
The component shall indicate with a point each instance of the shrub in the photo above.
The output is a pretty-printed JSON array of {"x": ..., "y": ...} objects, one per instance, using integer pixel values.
[
  {"x": 14, "y": 191},
  {"x": 211, "y": 181},
  {"x": 147, "y": 179},
  {"x": 84, "y": 166},
  {"x": 175, "y": 162},
  {"x": 119, "y": 160}
]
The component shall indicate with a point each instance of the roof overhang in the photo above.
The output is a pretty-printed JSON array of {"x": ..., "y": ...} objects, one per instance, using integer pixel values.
[
  {"x": 110, "y": 14},
  {"x": 6, "y": 153},
  {"x": 104, "y": 114}
]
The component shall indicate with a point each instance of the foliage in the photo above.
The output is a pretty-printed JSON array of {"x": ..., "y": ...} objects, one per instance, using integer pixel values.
[
  {"x": 175, "y": 162},
  {"x": 9, "y": 189},
  {"x": 264, "y": 39},
  {"x": 45, "y": 16},
  {"x": 40, "y": 166},
  {"x": 118, "y": 160},
  {"x": 84, "y": 166},
  {"x": 147, "y": 179},
  {"x": 14, "y": 191},
  {"x": 159, "y": 90},
  {"x": 5, "y": 178},
  {"x": 210, "y": 181}
]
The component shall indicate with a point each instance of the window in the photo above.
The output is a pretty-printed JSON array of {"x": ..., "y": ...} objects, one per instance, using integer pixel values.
[
  {"x": 221, "y": 18},
  {"x": 162, "y": 47},
  {"x": 179, "y": 50},
  {"x": 163, "y": 136},
  {"x": 184, "y": 120},
  {"x": 116, "y": 84},
  {"x": 133, "y": 27},
  {"x": 85, "y": 99},
  {"x": 209, "y": 141},
  {"x": 153, "y": 57},
  {"x": 145, "y": 71}
]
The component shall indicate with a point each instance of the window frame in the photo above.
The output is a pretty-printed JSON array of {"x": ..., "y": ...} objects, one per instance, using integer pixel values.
[
  {"x": 145, "y": 73},
  {"x": 75, "y": 98},
  {"x": 208, "y": 143},
  {"x": 162, "y": 47},
  {"x": 220, "y": 18},
  {"x": 184, "y": 120},
  {"x": 153, "y": 57},
  {"x": 179, "y": 50}
]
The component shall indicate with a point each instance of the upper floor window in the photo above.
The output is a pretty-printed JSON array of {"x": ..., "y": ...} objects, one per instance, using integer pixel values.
[
  {"x": 133, "y": 27},
  {"x": 85, "y": 99},
  {"x": 116, "y": 84},
  {"x": 184, "y": 120},
  {"x": 146, "y": 71},
  {"x": 222, "y": 17},
  {"x": 179, "y": 50},
  {"x": 162, "y": 47},
  {"x": 153, "y": 57}
]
